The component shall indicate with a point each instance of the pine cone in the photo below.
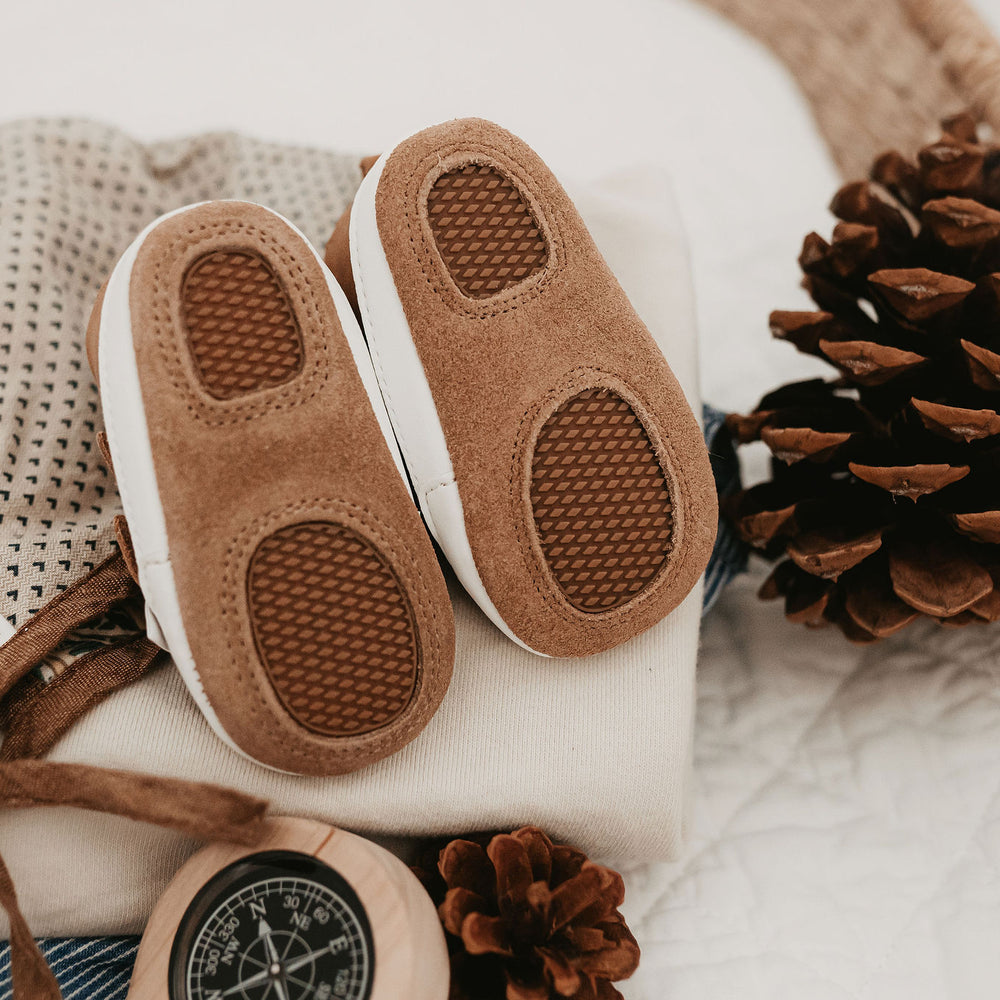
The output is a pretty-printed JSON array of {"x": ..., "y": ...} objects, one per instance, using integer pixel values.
[
  {"x": 883, "y": 504},
  {"x": 527, "y": 919}
]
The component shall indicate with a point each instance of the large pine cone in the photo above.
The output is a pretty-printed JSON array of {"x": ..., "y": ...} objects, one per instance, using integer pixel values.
[
  {"x": 527, "y": 919},
  {"x": 885, "y": 496}
]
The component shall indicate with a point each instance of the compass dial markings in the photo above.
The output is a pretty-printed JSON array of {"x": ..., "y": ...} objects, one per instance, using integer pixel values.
[{"x": 276, "y": 935}]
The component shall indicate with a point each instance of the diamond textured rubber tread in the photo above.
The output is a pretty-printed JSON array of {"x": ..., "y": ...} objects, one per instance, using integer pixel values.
[
  {"x": 484, "y": 230},
  {"x": 601, "y": 505},
  {"x": 240, "y": 325},
  {"x": 333, "y": 628}
]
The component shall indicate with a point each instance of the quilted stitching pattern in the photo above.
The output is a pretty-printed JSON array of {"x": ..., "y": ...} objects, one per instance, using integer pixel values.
[{"x": 846, "y": 819}]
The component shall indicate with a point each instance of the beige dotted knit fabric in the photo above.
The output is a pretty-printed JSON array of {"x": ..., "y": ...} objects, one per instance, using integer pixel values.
[{"x": 73, "y": 194}]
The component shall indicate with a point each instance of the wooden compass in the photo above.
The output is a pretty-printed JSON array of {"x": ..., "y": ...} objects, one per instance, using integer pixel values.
[{"x": 308, "y": 913}]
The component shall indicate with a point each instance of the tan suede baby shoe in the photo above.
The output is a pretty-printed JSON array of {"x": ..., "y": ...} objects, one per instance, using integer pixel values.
[
  {"x": 553, "y": 454},
  {"x": 282, "y": 559}
]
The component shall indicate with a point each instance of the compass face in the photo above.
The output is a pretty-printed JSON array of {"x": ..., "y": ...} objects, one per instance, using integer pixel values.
[{"x": 274, "y": 926}]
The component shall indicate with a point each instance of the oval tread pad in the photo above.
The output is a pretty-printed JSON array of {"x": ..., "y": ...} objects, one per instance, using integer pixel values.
[
  {"x": 334, "y": 629},
  {"x": 241, "y": 328},
  {"x": 484, "y": 230},
  {"x": 601, "y": 504}
]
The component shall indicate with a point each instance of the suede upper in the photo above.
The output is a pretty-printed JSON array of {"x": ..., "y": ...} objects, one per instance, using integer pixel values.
[
  {"x": 232, "y": 472},
  {"x": 499, "y": 367}
]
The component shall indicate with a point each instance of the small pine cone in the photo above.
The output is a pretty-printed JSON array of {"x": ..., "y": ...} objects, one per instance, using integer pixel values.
[
  {"x": 883, "y": 503},
  {"x": 527, "y": 919}
]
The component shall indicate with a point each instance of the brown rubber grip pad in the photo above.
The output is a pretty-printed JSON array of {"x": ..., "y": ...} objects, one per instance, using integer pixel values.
[
  {"x": 240, "y": 325},
  {"x": 484, "y": 230},
  {"x": 600, "y": 501},
  {"x": 333, "y": 627}
]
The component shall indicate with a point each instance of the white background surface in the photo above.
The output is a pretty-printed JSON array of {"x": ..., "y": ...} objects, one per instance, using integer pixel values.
[
  {"x": 845, "y": 837},
  {"x": 592, "y": 85}
]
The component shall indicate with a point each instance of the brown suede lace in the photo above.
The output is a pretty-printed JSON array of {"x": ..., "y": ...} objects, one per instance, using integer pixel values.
[
  {"x": 202, "y": 811},
  {"x": 35, "y": 714}
]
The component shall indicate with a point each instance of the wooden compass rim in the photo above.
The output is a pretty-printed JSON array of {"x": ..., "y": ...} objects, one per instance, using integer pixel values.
[{"x": 410, "y": 956}]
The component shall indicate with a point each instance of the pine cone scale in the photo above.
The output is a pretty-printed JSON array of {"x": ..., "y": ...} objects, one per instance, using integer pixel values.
[
  {"x": 988, "y": 608},
  {"x": 485, "y": 935},
  {"x": 510, "y": 860},
  {"x": 538, "y": 849},
  {"x": 937, "y": 578},
  {"x": 564, "y": 978},
  {"x": 951, "y": 164},
  {"x": 872, "y": 204},
  {"x": 803, "y": 329},
  {"x": 956, "y": 422},
  {"x": 465, "y": 864},
  {"x": 457, "y": 905},
  {"x": 792, "y": 444},
  {"x": 613, "y": 961},
  {"x": 806, "y": 597},
  {"x": 984, "y": 366},
  {"x": 760, "y": 528},
  {"x": 918, "y": 294},
  {"x": 983, "y": 526},
  {"x": 581, "y": 894},
  {"x": 827, "y": 554},
  {"x": 527, "y": 919},
  {"x": 875, "y": 606},
  {"x": 910, "y": 481},
  {"x": 525, "y": 991},
  {"x": 962, "y": 222},
  {"x": 869, "y": 364},
  {"x": 587, "y": 938}
]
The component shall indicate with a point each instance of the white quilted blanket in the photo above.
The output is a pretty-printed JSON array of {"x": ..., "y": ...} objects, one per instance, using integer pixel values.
[
  {"x": 846, "y": 817},
  {"x": 846, "y": 822}
]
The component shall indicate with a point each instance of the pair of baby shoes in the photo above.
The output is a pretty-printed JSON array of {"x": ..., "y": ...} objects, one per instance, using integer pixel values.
[{"x": 289, "y": 436}]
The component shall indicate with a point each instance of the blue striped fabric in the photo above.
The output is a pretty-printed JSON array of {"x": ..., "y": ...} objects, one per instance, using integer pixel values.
[
  {"x": 87, "y": 968},
  {"x": 729, "y": 556}
]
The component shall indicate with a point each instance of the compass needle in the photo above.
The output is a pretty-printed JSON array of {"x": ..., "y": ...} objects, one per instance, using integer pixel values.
[
  {"x": 299, "y": 982},
  {"x": 275, "y": 926},
  {"x": 264, "y": 931},
  {"x": 257, "y": 979},
  {"x": 296, "y": 963}
]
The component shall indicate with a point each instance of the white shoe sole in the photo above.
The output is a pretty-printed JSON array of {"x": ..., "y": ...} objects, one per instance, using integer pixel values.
[{"x": 409, "y": 400}]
